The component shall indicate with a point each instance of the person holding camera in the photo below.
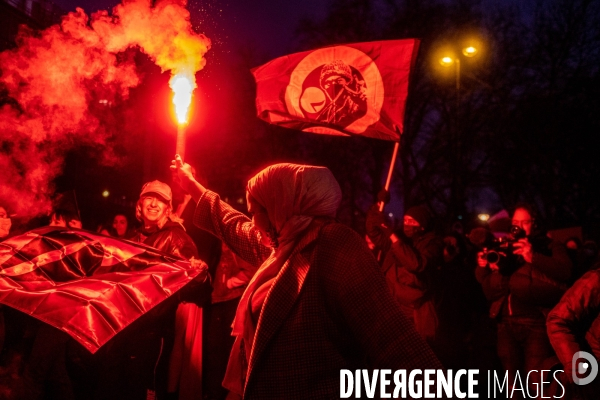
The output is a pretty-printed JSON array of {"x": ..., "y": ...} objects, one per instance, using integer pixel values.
[{"x": 524, "y": 276}]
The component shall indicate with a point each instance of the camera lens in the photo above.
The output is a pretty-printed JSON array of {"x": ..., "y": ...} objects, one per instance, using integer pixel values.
[
  {"x": 492, "y": 257},
  {"x": 517, "y": 232}
]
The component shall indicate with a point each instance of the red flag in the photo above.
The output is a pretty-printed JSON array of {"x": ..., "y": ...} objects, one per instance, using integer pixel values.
[
  {"x": 89, "y": 286},
  {"x": 351, "y": 89}
]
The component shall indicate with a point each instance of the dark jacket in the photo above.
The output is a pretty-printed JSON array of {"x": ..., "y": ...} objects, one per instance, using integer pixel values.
[
  {"x": 574, "y": 324},
  {"x": 171, "y": 239},
  {"x": 533, "y": 288},
  {"x": 409, "y": 265}
]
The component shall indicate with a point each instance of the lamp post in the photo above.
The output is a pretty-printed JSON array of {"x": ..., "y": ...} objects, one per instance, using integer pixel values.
[
  {"x": 447, "y": 61},
  {"x": 456, "y": 198}
]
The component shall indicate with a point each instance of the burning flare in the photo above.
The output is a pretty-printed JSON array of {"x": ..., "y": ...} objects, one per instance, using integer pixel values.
[
  {"x": 182, "y": 85},
  {"x": 54, "y": 82}
]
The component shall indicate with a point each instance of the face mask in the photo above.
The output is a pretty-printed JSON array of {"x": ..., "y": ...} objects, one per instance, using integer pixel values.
[
  {"x": 411, "y": 231},
  {"x": 5, "y": 224}
]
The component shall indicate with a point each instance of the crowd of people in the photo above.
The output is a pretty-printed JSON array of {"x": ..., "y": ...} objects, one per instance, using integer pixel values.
[
  {"x": 294, "y": 297},
  {"x": 512, "y": 299}
]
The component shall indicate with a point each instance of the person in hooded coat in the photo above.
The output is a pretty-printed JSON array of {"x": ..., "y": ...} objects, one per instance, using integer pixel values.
[{"x": 317, "y": 302}]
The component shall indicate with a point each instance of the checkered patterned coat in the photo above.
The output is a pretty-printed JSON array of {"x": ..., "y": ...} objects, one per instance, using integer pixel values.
[{"x": 328, "y": 309}]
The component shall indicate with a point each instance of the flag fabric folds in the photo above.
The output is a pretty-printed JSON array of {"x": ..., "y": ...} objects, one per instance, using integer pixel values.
[
  {"x": 350, "y": 89},
  {"x": 88, "y": 285}
]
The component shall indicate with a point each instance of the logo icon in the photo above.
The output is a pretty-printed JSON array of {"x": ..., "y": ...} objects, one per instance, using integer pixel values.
[
  {"x": 336, "y": 87},
  {"x": 584, "y": 368}
]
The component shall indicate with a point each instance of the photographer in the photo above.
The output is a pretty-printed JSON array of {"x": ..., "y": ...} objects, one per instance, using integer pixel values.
[{"x": 523, "y": 281}]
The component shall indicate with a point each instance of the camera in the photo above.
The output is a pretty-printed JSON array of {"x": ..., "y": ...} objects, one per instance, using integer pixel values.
[
  {"x": 500, "y": 251},
  {"x": 517, "y": 233}
]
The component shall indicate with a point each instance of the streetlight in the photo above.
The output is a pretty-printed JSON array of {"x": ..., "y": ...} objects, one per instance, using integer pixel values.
[
  {"x": 483, "y": 217},
  {"x": 469, "y": 51},
  {"x": 447, "y": 61}
]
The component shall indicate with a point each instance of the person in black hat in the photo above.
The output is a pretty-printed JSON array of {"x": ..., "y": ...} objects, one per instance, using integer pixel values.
[{"x": 410, "y": 262}]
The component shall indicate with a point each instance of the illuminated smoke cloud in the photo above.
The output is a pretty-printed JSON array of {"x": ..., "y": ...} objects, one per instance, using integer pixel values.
[{"x": 49, "y": 82}]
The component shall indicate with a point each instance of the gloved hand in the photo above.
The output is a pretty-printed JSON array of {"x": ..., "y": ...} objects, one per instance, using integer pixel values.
[{"x": 377, "y": 225}]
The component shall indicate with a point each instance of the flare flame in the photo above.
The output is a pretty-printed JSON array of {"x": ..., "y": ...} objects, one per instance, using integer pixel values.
[{"x": 182, "y": 85}]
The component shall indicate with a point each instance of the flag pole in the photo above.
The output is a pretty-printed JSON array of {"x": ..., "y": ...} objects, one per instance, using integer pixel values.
[
  {"x": 389, "y": 177},
  {"x": 180, "y": 143}
]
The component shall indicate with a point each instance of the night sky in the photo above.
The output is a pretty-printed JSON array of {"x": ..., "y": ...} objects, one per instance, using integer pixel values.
[{"x": 268, "y": 25}]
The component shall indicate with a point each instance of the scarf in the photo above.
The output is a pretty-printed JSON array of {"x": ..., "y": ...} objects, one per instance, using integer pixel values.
[{"x": 292, "y": 195}]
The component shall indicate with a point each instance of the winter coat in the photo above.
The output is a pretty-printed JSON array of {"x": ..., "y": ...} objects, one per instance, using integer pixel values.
[
  {"x": 171, "y": 239},
  {"x": 328, "y": 309},
  {"x": 409, "y": 265},
  {"x": 574, "y": 323}
]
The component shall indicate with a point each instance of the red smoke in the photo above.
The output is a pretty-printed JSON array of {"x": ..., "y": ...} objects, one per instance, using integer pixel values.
[{"x": 52, "y": 78}]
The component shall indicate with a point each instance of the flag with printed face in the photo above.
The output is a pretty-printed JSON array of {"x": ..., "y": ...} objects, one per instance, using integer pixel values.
[
  {"x": 350, "y": 89},
  {"x": 88, "y": 285}
]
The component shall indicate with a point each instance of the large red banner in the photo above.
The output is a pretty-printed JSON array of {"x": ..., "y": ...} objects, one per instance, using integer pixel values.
[
  {"x": 350, "y": 89},
  {"x": 87, "y": 285}
]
